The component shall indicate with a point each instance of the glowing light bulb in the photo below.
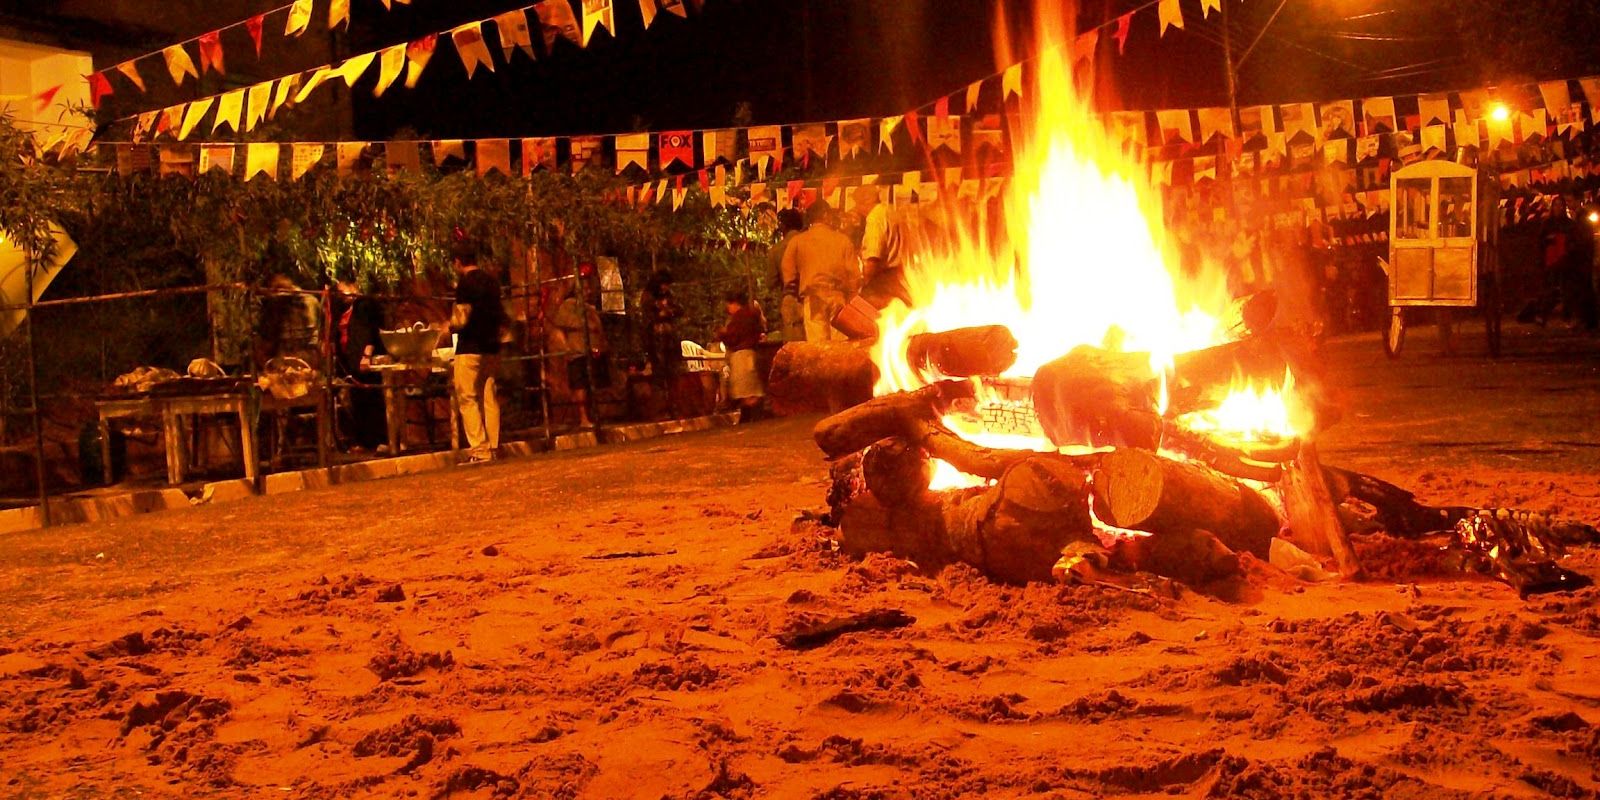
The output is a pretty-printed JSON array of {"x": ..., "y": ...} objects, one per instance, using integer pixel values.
[
  {"x": 1594, "y": 217},
  {"x": 1499, "y": 112}
]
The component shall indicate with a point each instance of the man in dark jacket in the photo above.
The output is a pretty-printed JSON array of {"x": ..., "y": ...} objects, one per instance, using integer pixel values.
[
  {"x": 359, "y": 320},
  {"x": 479, "y": 318}
]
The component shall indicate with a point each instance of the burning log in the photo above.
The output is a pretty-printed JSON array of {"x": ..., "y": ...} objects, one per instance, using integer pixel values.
[
  {"x": 1314, "y": 524},
  {"x": 854, "y": 429},
  {"x": 965, "y": 352},
  {"x": 1142, "y": 491},
  {"x": 1196, "y": 558},
  {"x": 1203, "y": 377},
  {"x": 1012, "y": 531},
  {"x": 896, "y": 472},
  {"x": 1108, "y": 395},
  {"x": 820, "y": 376}
]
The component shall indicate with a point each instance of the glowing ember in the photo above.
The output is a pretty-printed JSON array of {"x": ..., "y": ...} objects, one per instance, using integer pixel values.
[
  {"x": 1252, "y": 414},
  {"x": 1083, "y": 259}
]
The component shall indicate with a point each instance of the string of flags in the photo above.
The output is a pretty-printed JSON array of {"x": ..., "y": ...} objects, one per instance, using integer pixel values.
[{"x": 512, "y": 32}]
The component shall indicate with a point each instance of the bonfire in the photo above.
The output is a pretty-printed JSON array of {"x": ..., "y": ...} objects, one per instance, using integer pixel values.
[{"x": 1060, "y": 400}]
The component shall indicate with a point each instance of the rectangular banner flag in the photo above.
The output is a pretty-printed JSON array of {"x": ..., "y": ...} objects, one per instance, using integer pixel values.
[
  {"x": 347, "y": 156},
  {"x": 494, "y": 155},
  {"x": 261, "y": 158},
  {"x": 766, "y": 144},
  {"x": 468, "y": 39},
  {"x": 676, "y": 147},
  {"x": 597, "y": 14},
  {"x": 512, "y": 27},
  {"x": 303, "y": 158},
  {"x": 809, "y": 141},
  {"x": 557, "y": 20},
  {"x": 1434, "y": 109},
  {"x": 719, "y": 147},
  {"x": 633, "y": 149},
  {"x": 855, "y": 137},
  {"x": 446, "y": 149},
  {"x": 585, "y": 149},
  {"x": 216, "y": 156},
  {"x": 538, "y": 153}
]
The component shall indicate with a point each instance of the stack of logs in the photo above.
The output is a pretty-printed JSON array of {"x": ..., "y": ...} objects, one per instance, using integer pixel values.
[{"x": 1034, "y": 504}]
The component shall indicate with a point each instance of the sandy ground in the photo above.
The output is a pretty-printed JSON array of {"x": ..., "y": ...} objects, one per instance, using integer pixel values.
[{"x": 458, "y": 634}]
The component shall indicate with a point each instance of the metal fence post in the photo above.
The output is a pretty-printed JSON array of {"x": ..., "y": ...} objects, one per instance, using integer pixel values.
[{"x": 33, "y": 397}]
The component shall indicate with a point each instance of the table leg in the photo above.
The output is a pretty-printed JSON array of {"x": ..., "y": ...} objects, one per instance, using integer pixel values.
[
  {"x": 172, "y": 433},
  {"x": 247, "y": 446},
  {"x": 105, "y": 450},
  {"x": 324, "y": 429},
  {"x": 394, "y": 410}
]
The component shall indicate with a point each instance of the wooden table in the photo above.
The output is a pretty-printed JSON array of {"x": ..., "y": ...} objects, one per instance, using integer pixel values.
[
  {"x": 394, "y": 399},
  {"x": 315, "y": 398},
  {"x": 171, "y": 411}
]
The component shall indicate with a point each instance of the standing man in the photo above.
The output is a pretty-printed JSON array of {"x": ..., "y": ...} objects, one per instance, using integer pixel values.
[
  {"x": 883, "y": 257},
  {"x": 791, "y": 222},
  {"x": 478, "y": 319},
  {"x": 820, "y": 271}
]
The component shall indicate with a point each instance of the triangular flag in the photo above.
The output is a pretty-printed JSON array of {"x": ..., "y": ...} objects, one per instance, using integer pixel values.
[
  {"x": 597, "y": 14},
  {"x": 253, "y": 25},
  {"x": 171, "y": 120},
  {"x": 512, "y": 27},
  {"x": 354, "y": 67},
  {"x": 974, "y": 94},
  {"x": 661, "y": 190},
  {"x": 144, "y": 124},
  {"x": 678, "y": 196},
  {"x": 316, "y": 79},
  {"x": 179, "y": 64},
  {"x": 494, "y": 155},
  {"x": 305, "y": 156},
  {"x": 211, "y": 52},
  {"x": 418, "y": 53},
  {"x": 1171, "y": 15},
  {"x": 299, "y": 18},
  {"x": 1084, "y": 46},
  {"x": 42, "y": 100},
  {"x": 99, "y": 87},
  {"x": 1557, "y": 97},
  {"x": 347, "y": 155},
  {"x": 391, "y": 62},
  {"x": 338, "y": 11},
  {"x": 228, "y": 109},
  {"x": 1011, "y": 82},
  {"x": 261, "y": 158},
  {"x": 445, "y": 149},
  {"x": 1207, "y": 6},
  {"x": 674, "y": 6},
  {"x": 216, "y": 156},
  {"x": 281, "y": 93},
  {"x": 886, "y": 128},
  {"x": 470, "y": 46},
  {"x": 1124, "y": 25},
  {"x": 647, "y": 9},
  {"x": 633, "y": 150},
  {"x": 556, "y": 19},
  {"x": 131, "y": 70},
  {"x": 192, "y": 115},
  {"x": 256, "y": 101}
]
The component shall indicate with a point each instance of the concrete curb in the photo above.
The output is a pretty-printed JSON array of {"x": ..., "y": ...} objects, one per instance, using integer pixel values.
[{"x": 72, "y": 510}]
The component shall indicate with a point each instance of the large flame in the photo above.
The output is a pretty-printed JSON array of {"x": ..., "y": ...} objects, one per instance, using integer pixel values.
[{"x": 1081, "y": 257}]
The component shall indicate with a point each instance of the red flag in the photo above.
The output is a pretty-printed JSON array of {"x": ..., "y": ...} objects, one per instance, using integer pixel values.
[
  {"x": 794, "y": 191},
  {"x": 253, "y": 25},
  {"x": 705, "y": 180},
  {"x": 46, "y": 97},
  {"x": 99, "y": 87},
  {"x": 1124, "y": 24},
  {"x": 677, "y": 146},
  {"x": 914, "y": 127},
  {"x": 211, "y": 52},
  {"x": 941, "y": 108}
]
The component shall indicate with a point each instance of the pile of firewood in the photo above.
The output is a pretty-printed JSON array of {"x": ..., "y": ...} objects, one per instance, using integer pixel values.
[{"x": 1193, "y": 502}]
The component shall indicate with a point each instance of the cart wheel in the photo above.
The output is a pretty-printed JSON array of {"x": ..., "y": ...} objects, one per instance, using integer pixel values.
[{"x": 1394, "y": 337}]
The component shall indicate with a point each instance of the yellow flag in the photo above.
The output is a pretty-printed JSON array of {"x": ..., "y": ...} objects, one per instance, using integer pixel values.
[
  {"x": 353, "y": 67},
  {"x": 647, "y": 9},
  {"x": 597, "y": 14},
  {"x": 299, "y": 18},
  {"x": 228, "y": 110},
  {"x": 256, "y": 102},
  {"x": 192, "y": 115},
  {"x": 390, "y": 64},
  {"x": 179, "y": 63},
  {"x": 1011, "y": 81},
  {"x": 216, "y": 156},
  {"x": 1208, "y": 6},
  {"x": 281, "y": 93},
  {"x": 322, "y": 74},
  {"x": 338, "y": 11},
  {"x": 303, "y": 158},
  {"x": 131, "y": 70},
  {"x": 469, "y": 45},
  {"x": 261, "y": 158},
  {"x": 1171, "y": 15}
]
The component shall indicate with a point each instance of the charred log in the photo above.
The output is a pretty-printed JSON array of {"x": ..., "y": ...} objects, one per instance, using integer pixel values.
[
  {"x": 1100, "y": 396},
  {"x": 1012, "y": 531},
  {"x": 1196, "y": 558},
  {"x": 1145, "y": 492},
  {"x": 820, "y": 376},
  {"x": 886, "y": 417},
  {"x": 964, "y": 352},
  {"x": 1313, "y": 512},
  {"x": 896, "y": 472}
]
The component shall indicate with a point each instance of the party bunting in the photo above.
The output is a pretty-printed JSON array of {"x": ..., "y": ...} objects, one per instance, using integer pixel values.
[
  {"x": 469, "y": 45},
  {"x": 597, "y": 14},
  {"x": 719, "y": 147},
  {"x": 494, "y": 155},
  {"x": 42, "y": 100},
  {"x": 254, "y": 25},
  {"x": 1175, "y": 127},
  {"x": 676, "y": 148},
  {"x": 1171, "y": 15},
  {"x": 346, "y": 156},
  {"x": 316, "y": 79},
  {"x": 537, "y": 153},
  {"x": 216, "y": 156},
  {"x": 338, "y": 12},
  {"x": 514, "y": 33},
  {"x": 855, "y": 137},
  {"x": 647, "y": 10},
  {"x": 402, "y": 157},
  {"x": 131, "y": 70},
  {"x": 211, "y": 52},
  {"x": 1557, "y": 97},
  {"x": 303, "y": 158},
  {"x": 766, "y": 144},
  {"x": 1124, "y": 25},
  {"x": 886, "y": 128},
  {"x": 299, "y": 18},
  {"x": 673, "y": 7},
  {"x": 192, "y": 115},
  {"x": 354, "y": 67},
  {"x": 1084, "y": 46},
  {"x": 584, "y": 149},
  {"x": 1207, "y": 6},
  {"x": 633, "y": 150},
  {"x": 811, "y": 140},
  {"x": 557, "y": 20},
  {"x": 145, "y": 125},
  {"x": 257, "y": 99},
  {"x": 945, "y": 132},
  {"x": 446, "y": 149},
  {"x": 99, "y": 87},
  {"x": 261, "y": 158},
  {"x": 281, "y": 93},
  {"x": 1215, "y": 122},
  {"x": 1011, "y": 82},
  {"x": 179, "y": 64},
  {"x": 171, "y": 120},
  {"x": 390, "y": 64},
  {"x": 229, "y": 106},
  {"x": 418, "y": 53}
]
